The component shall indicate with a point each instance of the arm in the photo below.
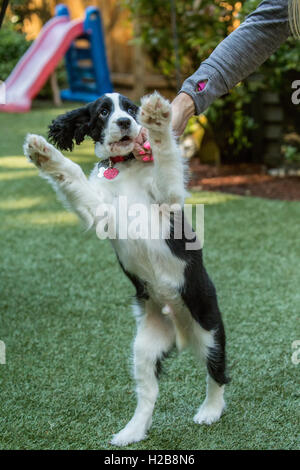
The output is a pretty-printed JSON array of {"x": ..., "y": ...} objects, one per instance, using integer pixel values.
[{"x": 236, "y": 57}]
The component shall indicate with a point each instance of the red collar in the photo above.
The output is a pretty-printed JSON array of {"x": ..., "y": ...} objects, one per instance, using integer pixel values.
[
  {"x": 118, "y": 158},
  {"x": 121, "y": 158}
]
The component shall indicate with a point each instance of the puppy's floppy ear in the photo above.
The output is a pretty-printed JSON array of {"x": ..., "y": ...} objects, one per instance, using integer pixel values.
[{"x": 70, "y": 127}]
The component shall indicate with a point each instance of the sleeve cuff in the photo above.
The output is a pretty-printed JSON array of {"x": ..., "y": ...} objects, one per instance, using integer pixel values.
[{"x": 214, "y": 88}]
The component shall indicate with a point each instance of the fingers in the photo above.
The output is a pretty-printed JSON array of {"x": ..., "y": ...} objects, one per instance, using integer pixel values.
[
  {"x": 142, "y": 153},
  {"x": 142, "y": 150}
]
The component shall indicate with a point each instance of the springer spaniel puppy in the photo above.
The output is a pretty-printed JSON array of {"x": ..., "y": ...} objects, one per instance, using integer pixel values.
[{"x": 176, "y": 302}]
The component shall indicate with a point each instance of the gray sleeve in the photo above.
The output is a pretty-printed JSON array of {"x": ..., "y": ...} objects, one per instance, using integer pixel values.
[{"x": 240, "y": 54}]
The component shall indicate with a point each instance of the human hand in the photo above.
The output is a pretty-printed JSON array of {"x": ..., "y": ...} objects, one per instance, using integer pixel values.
[
  {"x": 142, "y": 149},
  {"x": 183, "y": 109}
]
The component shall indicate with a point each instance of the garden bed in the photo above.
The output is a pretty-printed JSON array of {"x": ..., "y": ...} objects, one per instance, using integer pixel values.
[{"x": 244, "y": 180}]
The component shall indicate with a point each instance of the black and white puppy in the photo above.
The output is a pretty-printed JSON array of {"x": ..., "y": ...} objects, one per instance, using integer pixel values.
[{"x": 176, "y": 300}]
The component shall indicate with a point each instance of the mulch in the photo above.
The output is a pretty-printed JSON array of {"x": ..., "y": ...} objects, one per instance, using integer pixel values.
[{"x": 244, "y": 180}]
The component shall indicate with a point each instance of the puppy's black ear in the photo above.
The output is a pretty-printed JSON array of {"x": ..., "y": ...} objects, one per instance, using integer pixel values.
[{"x": 70, "y": 127}]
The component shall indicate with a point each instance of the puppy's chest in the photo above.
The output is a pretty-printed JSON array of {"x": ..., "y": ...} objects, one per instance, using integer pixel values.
[
  {"x": 133, "y": 184},
  {"x": 140, "y": 230},
  {"x": 129, "y": 199}
]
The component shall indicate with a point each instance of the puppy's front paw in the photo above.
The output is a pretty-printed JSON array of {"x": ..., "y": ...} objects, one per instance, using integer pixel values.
[
  {"x": 39, "y": 151},
  {"x": 155, "y": 112}
]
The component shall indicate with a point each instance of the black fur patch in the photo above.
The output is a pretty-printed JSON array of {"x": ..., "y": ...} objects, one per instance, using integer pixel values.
[
  {"x": 140, "y": 286},
  {"x": 128, "y": 106},
  {"x": 74, "y": 126},
  {"x": 199, "y": 295},
  {"x": 70, "y": 127}
]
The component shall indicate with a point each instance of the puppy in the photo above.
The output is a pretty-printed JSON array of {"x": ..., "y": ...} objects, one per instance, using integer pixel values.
[{"x": 176, "y": 301}]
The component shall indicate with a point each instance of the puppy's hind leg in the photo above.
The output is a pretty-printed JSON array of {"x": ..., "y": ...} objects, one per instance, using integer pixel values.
[
  {"x": 155, "y": 337},
  {"x": 212, "y": 346}
]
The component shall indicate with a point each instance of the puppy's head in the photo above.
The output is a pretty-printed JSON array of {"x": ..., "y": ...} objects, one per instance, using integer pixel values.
[{"x": 111, "y": 121}]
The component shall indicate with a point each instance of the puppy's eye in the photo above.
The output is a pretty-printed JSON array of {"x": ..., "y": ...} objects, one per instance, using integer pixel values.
[
  {"x": 104, "y": 112},
  {"x": 131, "y": 110}
]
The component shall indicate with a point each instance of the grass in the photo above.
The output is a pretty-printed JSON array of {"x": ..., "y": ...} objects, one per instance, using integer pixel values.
[{"x": 65, "y": 318}]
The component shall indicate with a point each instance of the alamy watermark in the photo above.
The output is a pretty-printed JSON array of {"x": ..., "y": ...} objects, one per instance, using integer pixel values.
[
  {"x": 136, "y": 221},
  {"x": 296, "y": 354},
  {"x": 2, "y": 93},
  {"x": 2, "y": 353},
  {"x": 296, "y": 94}
]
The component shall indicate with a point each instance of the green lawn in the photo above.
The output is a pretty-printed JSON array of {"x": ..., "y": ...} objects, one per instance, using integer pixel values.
[{"x": 65, "y": 318}]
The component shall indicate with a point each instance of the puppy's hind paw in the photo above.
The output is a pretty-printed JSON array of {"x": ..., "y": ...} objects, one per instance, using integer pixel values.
[
  {"x": 128, "y": 435},
  {"x": 209, "y": 414},
  {"x": 155, "y": 112}
]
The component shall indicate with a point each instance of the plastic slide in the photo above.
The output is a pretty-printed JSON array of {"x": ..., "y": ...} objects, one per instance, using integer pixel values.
[{"x": 39, "y": 62}]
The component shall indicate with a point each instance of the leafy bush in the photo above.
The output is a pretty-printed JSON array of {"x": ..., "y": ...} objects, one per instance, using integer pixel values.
[
  {"x": 24, "y": 9},
  {"x": 202, "y": 25},
  {"x": 291, "y": 153},
  {"x": 199, "y": 30},
  {"x": 13, "y": 45}
]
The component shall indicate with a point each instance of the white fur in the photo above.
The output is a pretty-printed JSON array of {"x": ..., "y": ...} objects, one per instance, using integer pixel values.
[
  {"x": 212, "y": 408},
  {"x": 164, "y": 319},
  {"x": 155, "y": 336}
]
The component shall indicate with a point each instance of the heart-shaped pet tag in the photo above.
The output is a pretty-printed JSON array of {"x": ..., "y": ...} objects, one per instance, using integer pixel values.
[{"x": 111, "y": 173}]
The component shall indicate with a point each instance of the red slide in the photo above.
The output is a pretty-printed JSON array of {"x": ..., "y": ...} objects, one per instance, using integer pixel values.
[{"x": 39, "y": 61}]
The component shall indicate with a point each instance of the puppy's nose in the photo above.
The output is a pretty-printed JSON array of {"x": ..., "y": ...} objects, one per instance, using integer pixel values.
[{"x": 124, "y": 123}]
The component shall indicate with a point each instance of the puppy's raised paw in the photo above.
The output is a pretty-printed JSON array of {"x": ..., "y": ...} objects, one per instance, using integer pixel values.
[
  {"x": 155, "y": 112},
  {"x": 39, "y": 151}
]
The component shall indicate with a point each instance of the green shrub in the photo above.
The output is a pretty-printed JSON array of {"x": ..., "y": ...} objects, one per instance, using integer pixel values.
[
  {"x": 198, "y": 26},
  {"x": 13, "y": 45},
  {"x": 202, "y": 25},
  {"x": 22, "y": 10}
]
